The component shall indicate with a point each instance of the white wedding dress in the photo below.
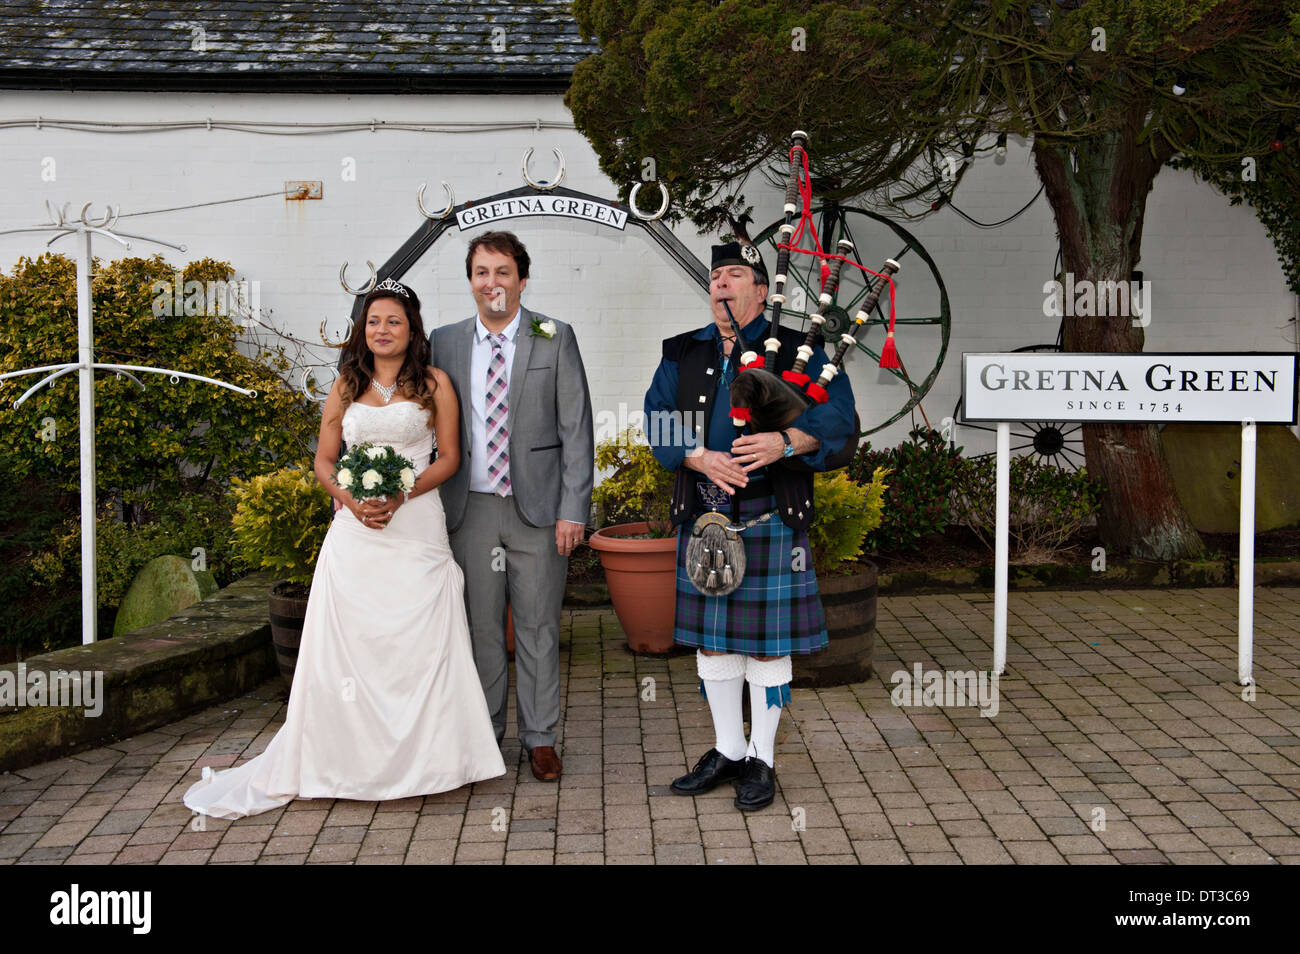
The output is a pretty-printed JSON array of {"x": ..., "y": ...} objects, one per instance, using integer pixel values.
[{"x": 386, "y": 700}]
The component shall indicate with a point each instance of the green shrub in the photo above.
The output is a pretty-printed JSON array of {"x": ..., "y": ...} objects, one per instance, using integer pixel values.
[
  {"x": 153, "y": 446},
  {"x": 280, "y": 522},
  {"x": 844, "y": 513},
  {"x": 36, "y": 613},
  {"x": 922, "y": 471},
  {"x": 639, "y": 489},
  {"x": 1048, "y": 505},
  {"x": 122, "y": 551}
]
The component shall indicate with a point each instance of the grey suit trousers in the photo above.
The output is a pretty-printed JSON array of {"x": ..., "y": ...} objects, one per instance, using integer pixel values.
[{"x": 501, "y": 554}]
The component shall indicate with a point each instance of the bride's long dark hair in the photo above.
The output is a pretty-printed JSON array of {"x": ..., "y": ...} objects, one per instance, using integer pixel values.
[{"x": 358, "y": 366}]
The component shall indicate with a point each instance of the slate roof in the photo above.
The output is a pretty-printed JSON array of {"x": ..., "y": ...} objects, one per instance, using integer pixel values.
[{"x": 289, "y": 46}]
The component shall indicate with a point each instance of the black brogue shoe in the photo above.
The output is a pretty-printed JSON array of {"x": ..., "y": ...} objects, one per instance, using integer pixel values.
[
  {"x": 710, "y": 771},
  {"x": 756, "y": 787}
]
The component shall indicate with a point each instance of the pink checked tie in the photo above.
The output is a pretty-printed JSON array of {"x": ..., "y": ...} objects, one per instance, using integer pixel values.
[{"x": 498, "y": 438}]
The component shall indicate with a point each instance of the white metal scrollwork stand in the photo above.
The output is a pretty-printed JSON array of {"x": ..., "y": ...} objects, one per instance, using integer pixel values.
[{"x": 85, "y": 366}]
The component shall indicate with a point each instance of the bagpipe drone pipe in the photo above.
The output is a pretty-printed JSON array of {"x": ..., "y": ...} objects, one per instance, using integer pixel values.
[{"x": 769, "y": 401}]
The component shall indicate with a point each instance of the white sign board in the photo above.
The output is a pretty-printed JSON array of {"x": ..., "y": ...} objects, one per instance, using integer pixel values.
[
  {"x": 591, "y": 210},
  {"x": 1196, "y": 388}
]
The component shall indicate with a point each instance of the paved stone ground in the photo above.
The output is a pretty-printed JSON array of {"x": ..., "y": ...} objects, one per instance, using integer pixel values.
[{"x": 1122, "y": 701}]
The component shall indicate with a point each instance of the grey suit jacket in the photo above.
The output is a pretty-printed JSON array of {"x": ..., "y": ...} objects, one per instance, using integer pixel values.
[{"x": 552, "y": 450}]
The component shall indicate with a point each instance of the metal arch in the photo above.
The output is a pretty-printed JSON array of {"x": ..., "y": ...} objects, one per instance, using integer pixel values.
[
  {"x": 451, "y": 201},
  {"x": 365, "y": 289},
  {"x": 658, "y": 213},
  {"x": 559, "y": 175}
]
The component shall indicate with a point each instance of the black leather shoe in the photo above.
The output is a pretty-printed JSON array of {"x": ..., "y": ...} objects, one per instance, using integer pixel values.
[
  {"x": 756, "y": 787},
  {"x": 710, "y": 771}
]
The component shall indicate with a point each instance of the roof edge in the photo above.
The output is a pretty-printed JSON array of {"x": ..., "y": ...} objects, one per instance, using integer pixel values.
[{"x": 301, "y": 82}]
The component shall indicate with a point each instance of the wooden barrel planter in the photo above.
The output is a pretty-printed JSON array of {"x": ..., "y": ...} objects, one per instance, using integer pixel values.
[
  {"x": 850, "y": 606},
  {"x": 642, "y": 577},
  {"x": 287, "y": 613}
]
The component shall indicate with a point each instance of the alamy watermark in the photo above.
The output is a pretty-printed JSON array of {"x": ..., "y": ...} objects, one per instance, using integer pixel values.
[
  {"x": 1089, "y": 299},
  {"x": 241, "y": 299},
  {"x": 77, "y": 906},
  {"x": 661, "y": 428},
  {"x": 37, "y": 687},
  {"x": 945, "y": 687}
]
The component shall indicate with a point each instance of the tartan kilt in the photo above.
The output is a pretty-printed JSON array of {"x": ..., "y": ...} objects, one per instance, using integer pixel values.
[{"x": 776, "y": 610}]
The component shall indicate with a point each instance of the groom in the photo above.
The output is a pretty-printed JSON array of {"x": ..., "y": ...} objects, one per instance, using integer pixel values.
[{"x": 518, "y": 505}]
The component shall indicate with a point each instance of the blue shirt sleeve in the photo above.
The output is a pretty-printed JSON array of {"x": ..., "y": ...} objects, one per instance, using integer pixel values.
[
  {"x": 661, "y": 405},
  {"x": 831, "y": 423}
]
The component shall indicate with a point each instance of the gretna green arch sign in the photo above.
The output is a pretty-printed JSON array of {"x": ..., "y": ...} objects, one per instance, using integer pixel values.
[
  {"x": 530, "y": 200},
  {"x": 588, "y": 208}
]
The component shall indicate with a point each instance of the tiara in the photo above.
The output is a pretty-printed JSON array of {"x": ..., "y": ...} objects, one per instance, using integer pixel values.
[{"x": 389, "y": 285}]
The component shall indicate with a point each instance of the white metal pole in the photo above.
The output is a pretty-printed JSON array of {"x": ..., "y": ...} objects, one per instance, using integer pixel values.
[
  {"x": 1001, "y": 550},
  {"x": 86, "y": 391},
  {"x": 1246, "y": 559}
]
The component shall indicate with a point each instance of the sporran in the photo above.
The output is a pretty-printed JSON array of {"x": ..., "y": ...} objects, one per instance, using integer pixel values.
[{"x": 715, "y": 555}]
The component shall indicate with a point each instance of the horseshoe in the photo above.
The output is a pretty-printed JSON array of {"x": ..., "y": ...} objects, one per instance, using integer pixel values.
[
  {"x": 559, "y": 174},
  {"x": 658, "y": 213},
  {"x": 57, "y": 216},
  {"x": 343, "y": 337},
  {"x": 366, "y": 288},
  {"x": 109, "y": 217},
  {"x": 419, "y": 200}
]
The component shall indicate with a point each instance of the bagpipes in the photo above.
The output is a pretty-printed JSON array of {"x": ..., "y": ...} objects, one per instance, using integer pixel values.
[
  {"x": 715, "y": 556},
  {"x": 771, "y": 402}
]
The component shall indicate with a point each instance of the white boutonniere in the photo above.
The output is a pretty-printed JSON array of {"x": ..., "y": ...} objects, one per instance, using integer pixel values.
[{"x": 544, "y": 328}]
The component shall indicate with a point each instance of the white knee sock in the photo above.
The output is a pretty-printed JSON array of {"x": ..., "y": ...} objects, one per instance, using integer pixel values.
[
  {"x": 724, "y": 680},
  {"x": 764, "y": 718}
]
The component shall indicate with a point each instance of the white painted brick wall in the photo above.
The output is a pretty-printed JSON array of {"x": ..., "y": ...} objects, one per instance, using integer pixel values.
[{"x": 1216, "y": 280}]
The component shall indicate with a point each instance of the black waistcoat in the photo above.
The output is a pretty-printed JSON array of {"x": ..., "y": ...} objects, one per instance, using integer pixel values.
[{"x": 792, "y": 483}]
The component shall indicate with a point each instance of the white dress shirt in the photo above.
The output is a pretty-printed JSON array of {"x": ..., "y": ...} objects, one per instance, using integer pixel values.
[{"x": 480, "y": 357}]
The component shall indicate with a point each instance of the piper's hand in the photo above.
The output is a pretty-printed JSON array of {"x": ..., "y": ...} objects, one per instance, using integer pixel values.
[
  {"x": 722, "y": 469},
  {"x": 567, "y": 536},
  {"x": 753, "y": 451}
]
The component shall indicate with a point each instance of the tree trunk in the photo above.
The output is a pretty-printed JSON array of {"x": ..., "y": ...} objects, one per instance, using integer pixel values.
[{"x": 1098, "y": 193}]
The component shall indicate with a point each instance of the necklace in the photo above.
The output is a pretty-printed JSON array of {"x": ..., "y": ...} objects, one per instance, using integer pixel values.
[{"x": 385, "y": 392}]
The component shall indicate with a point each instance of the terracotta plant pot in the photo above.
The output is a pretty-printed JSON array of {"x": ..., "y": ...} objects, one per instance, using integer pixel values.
[
  {"x": 641, "y": 575},
  {"x": 850, "y": 605},
  {"x": 287, "y": 613}
]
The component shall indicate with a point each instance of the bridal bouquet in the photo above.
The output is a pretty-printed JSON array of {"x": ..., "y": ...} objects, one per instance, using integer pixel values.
[{"x": 373, "y": 471}]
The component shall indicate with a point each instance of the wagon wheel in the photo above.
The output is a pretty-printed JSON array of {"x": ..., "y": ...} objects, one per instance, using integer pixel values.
[
  {"x": 923, "y": 316},
  {"x": 1056, "y": 442}
]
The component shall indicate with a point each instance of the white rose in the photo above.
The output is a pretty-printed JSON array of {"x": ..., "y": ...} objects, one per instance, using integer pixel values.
[
  {"x": 548, "y": 328},
  {"x": 371, "y": 479},
  {"x": 407, "y": 478},
  {"x": 345, "y": 477},
  {"x": 376, "y": 452}
]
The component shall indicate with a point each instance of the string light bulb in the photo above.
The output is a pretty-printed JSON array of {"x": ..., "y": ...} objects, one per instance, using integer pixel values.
[
  {"x": 1001, "y": 148},
  {"x": 1180, "y": 84}
]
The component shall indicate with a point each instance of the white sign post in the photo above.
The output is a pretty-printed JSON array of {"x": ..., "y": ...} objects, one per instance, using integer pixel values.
[{"x": 1194, "y": 388}]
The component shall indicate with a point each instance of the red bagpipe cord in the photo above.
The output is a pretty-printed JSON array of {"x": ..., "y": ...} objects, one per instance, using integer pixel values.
[{"x": 889, "y": 353}]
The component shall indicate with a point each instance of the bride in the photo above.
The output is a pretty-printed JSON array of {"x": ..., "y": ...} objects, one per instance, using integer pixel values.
[{"x": 386, "y": 701}]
